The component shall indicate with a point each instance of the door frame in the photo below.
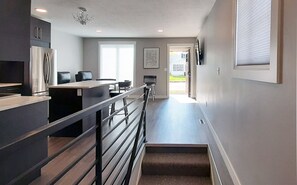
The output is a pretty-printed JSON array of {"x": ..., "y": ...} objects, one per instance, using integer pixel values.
[{"x": 193, "y": 66}]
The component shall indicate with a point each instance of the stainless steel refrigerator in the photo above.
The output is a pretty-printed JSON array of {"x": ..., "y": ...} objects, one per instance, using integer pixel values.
[{"x": 43, "y": 70}]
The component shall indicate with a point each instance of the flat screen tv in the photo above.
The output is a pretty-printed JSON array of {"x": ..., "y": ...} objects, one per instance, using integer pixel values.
[{"x": 199, "y": 53}]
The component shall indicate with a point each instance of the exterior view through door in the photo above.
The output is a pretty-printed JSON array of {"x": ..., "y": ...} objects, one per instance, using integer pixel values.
[{"x": 179, "y": 74}]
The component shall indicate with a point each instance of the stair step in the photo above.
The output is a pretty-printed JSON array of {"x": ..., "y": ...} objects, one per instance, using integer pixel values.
[
  {"x": 171, "y": 148},
  {"x": 181, "y": 164},
  {"x": 173, "y": 180}
]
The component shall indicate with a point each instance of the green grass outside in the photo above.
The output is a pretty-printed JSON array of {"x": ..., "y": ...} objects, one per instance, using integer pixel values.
[{"x": 177, "y": 78}]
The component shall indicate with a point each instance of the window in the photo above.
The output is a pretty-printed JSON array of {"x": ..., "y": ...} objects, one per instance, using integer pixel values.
[
  {"x": 116, "y": 60},
  {"x": 256, "y": 40}
]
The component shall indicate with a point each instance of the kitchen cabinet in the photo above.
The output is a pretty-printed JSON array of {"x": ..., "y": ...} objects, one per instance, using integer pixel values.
[
  {"x": 20, "y": 116},
  {"x": 40, "y": 33},
  {"x": 15, "y": 30}
]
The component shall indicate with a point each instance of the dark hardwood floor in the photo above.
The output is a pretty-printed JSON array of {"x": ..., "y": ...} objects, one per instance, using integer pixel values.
[{"x": 172, "y": 121}]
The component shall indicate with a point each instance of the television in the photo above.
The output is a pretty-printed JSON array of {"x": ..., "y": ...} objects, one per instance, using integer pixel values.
[{"x": 199, "y": 47}]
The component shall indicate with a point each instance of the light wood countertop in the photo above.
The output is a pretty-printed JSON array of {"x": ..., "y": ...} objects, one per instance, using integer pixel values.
[
  {"x": 9, "y": 84},
  {"x": 18, "y": 101},
  {"x": 83, "y": 85}
]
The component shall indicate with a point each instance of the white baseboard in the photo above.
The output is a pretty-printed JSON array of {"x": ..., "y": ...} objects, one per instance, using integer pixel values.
[
  {"x": 225, "y": 157},
  {"x": 215, "y": 176}
]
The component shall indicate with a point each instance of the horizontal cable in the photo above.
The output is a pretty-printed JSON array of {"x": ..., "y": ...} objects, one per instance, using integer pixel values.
[
  {"x": 71, "y": 165},
  {"x": 121, "y": 121},
  {"x": 59, "y": 124},
  {"x": 118, "y": 149},
  {"x": 119, "y": 110},
  {"x": 93, "y": 181},
  {"x": 48, "y": 159},
  {"x": 117, "y": 162},
  {"x": 85, "y": 173},
  {"x": 120, "y": 134}
]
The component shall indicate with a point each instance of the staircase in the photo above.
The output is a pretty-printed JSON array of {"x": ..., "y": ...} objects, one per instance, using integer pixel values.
[{"x": 175, "y": 165}]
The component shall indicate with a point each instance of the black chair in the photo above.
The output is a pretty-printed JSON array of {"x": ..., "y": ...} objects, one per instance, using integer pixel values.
[
  {"x": 121, "y": 88},
  {"x": 111, "y": 87},
  {"x": 150, "y": 81},
  {"x": 83, "y": 76},
  {"x": 64, "y": 77}
]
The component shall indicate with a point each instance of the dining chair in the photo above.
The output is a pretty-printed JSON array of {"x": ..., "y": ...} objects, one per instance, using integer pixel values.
[
  {"x": 63, "y": 77},
  {"x": 121, "y": 88},
  {"x": 111, "y": 87},
  {"x": 83, "y": 76}
]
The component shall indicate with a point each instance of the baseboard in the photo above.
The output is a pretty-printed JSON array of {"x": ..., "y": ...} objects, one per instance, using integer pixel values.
[
  {"x": 215, "y": 176},
  {"x": 136, "y": 173},
  {"x": 222, "y": 151}
]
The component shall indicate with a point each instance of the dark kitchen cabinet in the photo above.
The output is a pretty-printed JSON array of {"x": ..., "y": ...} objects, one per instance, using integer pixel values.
[
  {"x": 15, "y": 30},
  {"x": 40, "y": 33}
]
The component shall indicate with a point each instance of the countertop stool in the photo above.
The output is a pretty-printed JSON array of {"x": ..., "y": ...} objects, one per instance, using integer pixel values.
[{"x": 150, "y": 81}]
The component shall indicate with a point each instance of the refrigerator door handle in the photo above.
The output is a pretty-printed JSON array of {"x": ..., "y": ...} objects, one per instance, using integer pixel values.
[
  {"x": 44, "y": 68},
  {"x": 49, "y": 68}
]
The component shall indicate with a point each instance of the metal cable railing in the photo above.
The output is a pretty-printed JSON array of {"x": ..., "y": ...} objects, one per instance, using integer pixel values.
[{"x": 115, "y": 150}]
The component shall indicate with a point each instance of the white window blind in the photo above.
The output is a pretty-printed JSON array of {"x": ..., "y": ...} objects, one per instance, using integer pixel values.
[
  {"x": 117, "y": 61},
  {"x": 253, "y": 28}
]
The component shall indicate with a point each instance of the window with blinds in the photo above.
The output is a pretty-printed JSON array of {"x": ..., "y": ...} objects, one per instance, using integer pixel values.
[
  {"x": 257, "y": 25},
  {"x": 253, "y": 32}
]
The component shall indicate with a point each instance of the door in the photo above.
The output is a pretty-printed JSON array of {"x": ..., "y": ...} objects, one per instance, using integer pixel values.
[{"x": 188, "y": 73}]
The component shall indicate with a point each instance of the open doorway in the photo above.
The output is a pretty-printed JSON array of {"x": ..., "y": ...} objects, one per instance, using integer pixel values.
[{"x": 180, "y": 70}]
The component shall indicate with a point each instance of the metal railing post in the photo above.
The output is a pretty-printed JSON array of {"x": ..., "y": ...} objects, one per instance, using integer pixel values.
[
  {"x": 99, "y": 147},
  {"x": 134, "y": 149}
]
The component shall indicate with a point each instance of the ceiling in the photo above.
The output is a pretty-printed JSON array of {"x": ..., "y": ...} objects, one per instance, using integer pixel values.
[{"x": 127, "y": 18}]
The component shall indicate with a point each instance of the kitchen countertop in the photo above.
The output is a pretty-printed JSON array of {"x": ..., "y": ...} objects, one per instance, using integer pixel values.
[
  {"x": 18, "y": 101},
  {"x": 9, "y": 84},
  {"x": 83, "y": 85}
]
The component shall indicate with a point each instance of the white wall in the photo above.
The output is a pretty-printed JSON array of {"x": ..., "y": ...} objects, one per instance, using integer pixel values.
[
  {"x": 255, "y": 122},
  {"x": 91, "y": 58},
  {"x": 70, "y": 51}
]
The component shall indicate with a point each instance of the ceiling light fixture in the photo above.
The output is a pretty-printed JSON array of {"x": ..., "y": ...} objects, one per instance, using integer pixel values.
[
  {"x": 98, "y": 31},
  {"x": 40, "y": 10},
  {"x": 160, "y": 31},
  {"x": 82, "y": 16}
]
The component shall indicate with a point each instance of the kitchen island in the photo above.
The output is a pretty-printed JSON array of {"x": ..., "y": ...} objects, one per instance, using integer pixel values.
[
  {"x": 69, "y": 98},
  {"x": 20, "y": 115}
]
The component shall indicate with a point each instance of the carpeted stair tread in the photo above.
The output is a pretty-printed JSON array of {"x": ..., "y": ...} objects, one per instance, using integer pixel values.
[
  {"x": 173, "y": 180},
  {"x": 183, "y": 164}
]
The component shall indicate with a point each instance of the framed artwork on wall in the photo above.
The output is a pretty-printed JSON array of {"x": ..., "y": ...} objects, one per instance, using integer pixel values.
[{"x": 151, "y": 57}]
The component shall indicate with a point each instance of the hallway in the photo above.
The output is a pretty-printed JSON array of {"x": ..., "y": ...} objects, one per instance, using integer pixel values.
[{"x": 175, "y": 121}]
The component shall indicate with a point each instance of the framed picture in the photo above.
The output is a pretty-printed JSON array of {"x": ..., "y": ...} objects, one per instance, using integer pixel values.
[{"x": 151, "y": 57}]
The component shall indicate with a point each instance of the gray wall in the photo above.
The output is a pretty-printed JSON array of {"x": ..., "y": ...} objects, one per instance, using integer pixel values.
[
  {"x": 70, "y": 51},
  {"x": 91, "y": 58},
  {"x": 255, "y": 122}
]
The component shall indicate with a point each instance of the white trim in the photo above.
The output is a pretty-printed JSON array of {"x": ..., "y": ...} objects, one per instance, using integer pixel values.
[
  {"x": 214, "y": 172},
  {"x": 193, "y": 65},
  {"x": 265, "y": 73},
  {"x": 228, "y": 163}
]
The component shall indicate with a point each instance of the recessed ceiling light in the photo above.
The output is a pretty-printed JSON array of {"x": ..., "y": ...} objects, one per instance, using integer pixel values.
[
  {"x": 160, "y": 30},
  {"x": 98, "y": 31},
  {"x": 41, "y": 10}
]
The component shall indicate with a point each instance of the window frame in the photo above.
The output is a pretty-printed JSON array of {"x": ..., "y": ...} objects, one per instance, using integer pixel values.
[{"x": 265, "y": 72}]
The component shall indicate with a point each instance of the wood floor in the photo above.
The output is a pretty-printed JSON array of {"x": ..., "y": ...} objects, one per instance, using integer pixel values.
[{"x": 173, "y": 120}]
